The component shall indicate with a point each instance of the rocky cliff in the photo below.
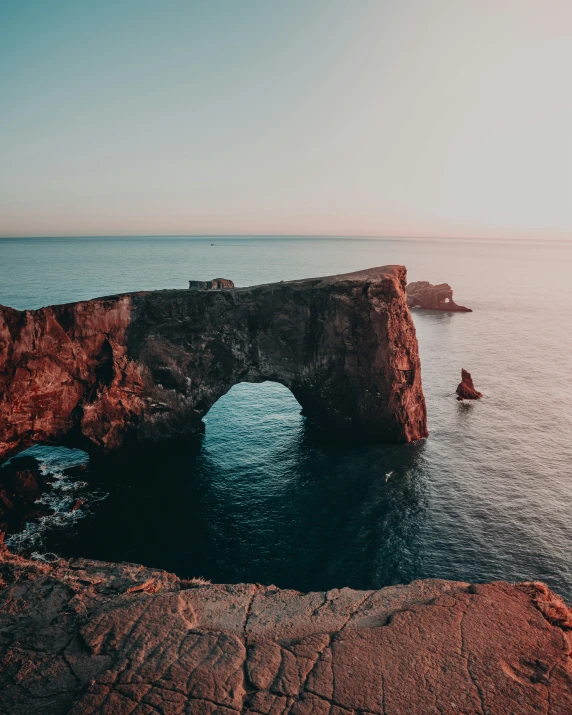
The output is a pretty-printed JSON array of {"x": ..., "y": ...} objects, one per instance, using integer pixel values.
[
  {"x": 85, "y": 637},
  {"x": 142, "y": 367}
]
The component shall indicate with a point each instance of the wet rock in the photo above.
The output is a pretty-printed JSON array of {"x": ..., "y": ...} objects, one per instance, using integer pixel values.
[
  {"x": 21, "y": 484},
  {"x": 85, "y": 637},
  {"x": 466, "y": 389},
  {"x": 422, "y": 294},
  {"x": 146, "y": 367},
  {"x": 77, "y": 470}
]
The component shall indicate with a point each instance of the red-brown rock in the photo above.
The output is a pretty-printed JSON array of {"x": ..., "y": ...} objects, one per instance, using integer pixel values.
[
  {"x": 422, "y": 294},
  {"x": 85, "y": 637},
  {"x": 466, "y": 389},
  {"x": 146, "y": 367}
]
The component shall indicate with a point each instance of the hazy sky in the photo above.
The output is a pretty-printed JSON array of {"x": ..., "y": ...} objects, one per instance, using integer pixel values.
[{"x": 351, "y": 117}]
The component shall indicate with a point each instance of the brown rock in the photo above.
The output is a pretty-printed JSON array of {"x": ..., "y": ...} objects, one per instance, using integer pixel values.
[
  {"x": 466, "y": 389},
  {"x": 147, "y": 367},
  {"x": 85, "y": 637},
  {"x": 422, "y": 294}
]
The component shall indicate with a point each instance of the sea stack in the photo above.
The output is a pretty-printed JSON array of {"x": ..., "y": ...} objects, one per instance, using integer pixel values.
[
  {"x": 422, "y": 294},
  {"x": 466, "y": 389}
]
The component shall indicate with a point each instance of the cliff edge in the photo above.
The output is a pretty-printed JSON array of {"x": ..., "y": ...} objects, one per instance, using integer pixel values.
[{"x": 85, "y": 637}]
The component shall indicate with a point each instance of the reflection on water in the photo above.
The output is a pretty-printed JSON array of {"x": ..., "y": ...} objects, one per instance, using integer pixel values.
[{"x": 263, "y": 496}]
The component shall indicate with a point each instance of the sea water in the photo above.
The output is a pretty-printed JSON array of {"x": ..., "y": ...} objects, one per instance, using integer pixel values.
[{"x": 263, "y": 496}]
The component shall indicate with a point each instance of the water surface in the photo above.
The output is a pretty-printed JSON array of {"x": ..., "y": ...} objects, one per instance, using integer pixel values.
[{"x": 265, "y": 497}]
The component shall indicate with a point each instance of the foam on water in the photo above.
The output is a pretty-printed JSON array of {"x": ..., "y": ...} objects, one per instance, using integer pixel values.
[{"x": 60, "y": 499}]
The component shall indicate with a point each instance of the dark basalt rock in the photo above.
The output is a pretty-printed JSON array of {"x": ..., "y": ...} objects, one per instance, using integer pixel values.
[
  {"x": 21, "y": 484},
  {"x": 146, "y": 367},
  {"x": 421, "y": 294},
  {"x": 86, "y": 637},
  {"x": 466, "y": 389}
]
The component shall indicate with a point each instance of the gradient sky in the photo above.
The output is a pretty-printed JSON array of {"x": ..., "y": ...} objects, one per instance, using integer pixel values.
[{"x": 348, "y": 117}]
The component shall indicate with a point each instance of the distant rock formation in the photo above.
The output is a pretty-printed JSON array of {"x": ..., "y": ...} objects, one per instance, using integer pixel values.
[
  {"x": 146, "y": 367},
  {"x": 86, "y": 637},
  {"x": 422, "y": 294},
  {"x": 215, "y": 284},
  {"x": 466, "y": 389}
]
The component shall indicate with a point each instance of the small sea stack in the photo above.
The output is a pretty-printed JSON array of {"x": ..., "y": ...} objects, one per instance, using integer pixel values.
[{"x": 466, "y": 389}]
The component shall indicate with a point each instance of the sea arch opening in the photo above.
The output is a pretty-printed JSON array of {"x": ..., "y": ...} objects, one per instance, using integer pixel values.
[{"x": 254, "y": 412}]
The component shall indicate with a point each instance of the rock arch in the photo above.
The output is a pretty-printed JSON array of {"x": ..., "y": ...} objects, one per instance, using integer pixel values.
[{"x": 146, "y": 367}]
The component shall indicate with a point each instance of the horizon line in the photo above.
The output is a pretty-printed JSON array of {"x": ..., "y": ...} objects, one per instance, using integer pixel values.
[{"x": 564, "y": 238}]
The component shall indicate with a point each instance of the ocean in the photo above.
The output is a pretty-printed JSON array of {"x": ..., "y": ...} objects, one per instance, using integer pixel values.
[{"x": 265, "y": 497}]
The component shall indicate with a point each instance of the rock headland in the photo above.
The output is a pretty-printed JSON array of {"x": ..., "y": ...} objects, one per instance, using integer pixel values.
[
  {"x": 215, "y": 284},
  {"x": 422, "y": 294},
  {"x": 86, "y": 637},
  {"x": 466, "y": 389},
  {"x": 146, "y": 367}
]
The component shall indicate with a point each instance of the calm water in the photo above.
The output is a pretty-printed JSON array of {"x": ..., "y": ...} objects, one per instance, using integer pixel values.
[{"x": 264, "y": 497}]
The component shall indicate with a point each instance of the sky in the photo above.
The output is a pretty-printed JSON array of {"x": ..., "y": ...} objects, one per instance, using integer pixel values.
[{"x": 444, "y": 118}]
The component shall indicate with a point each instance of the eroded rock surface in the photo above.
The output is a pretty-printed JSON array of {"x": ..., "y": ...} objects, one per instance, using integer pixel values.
[
  {"x": 422, "y": 294},
  {"x": 144, "y": 367},
  {"x": 466, "y": 389},
  {"x": 87, "y": 637}
]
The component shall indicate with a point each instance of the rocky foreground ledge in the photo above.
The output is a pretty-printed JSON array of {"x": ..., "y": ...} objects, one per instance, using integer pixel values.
[{"x": 87, "y": 637}]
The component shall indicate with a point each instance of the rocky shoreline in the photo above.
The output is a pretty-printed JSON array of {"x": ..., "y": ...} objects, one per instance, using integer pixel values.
[{"x": 86, "y": 637}]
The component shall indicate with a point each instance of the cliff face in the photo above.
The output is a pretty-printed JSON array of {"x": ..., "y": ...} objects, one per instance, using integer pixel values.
[
  {"x": 141, "y": 367},
  {"x": 65, "y": 376},
  {"x": 85, "y": 637}
]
